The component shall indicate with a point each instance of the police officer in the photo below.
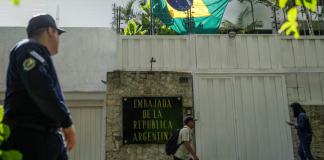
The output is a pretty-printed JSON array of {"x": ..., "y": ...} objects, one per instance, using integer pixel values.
[{"x": 34, "y": 105}]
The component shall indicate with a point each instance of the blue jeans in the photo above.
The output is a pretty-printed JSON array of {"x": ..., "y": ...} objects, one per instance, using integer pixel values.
[{"x": 304, "y": 148}]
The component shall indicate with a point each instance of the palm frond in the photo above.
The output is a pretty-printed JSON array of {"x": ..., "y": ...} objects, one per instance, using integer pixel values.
[
  {"x": 128, "y": 11},
  {"x": 142, "y": 2},
  {"x": 243, "y": 17},
  {"x": 256, "y": 24},
  {"x": 228, "y": 24}
]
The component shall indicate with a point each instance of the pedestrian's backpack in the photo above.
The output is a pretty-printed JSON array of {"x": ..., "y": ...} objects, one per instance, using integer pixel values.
[{"x": 171, "y": 146}]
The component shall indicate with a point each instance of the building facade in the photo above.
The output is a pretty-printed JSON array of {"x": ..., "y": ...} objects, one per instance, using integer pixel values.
[{"x": 242, "y": 88}]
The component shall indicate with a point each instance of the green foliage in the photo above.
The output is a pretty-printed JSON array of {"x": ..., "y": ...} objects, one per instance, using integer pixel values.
[
  {"x": 320, "y": 17},
  {"x": 146, "y": 18},
  {"x": 127, "y": 13},
  {"x": 133, "y": 29},
  {"x": 240, "y": 25},
  {"x": 4, "y": 132},
  {"x": 4, "y": 135},
  {"x": 291, "y": 24},
  {"x": 255, "y": 22},
  {"x": 145, "y": 23},
  {"x": 11, "y": 155},
  {"x": 241, "y": 19},
  {"x": 15, "y": 2},
  {"x": 166, "y": 31}
]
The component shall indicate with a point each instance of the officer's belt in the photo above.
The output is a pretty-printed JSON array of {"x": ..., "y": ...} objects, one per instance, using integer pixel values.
[{"x": 14, "y": 123}]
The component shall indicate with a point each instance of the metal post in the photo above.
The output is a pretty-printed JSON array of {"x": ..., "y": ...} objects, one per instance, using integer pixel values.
[
  {"x": 311, "y": 20},
  {"x": 310, "y": 25},
  {"x": 304, "y": 24},
  {"x": 151, "y": 14},
  {"x": 318, "y": 25},
  {"x": 119, "y": 20},
  {"x": 189, "y": 20},
  {"x": 283, "y": 11},
  {"x": 322, "y": 14},
  {"x": 275, "y": 18},
  {"x": 187, "y": 17},
  {"x": 115, "y": 19}
]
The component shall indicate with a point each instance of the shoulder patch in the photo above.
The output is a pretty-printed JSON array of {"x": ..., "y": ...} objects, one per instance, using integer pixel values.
[
  {"x": 29, "y": 64},
  {"x": 37, "y": 56}
]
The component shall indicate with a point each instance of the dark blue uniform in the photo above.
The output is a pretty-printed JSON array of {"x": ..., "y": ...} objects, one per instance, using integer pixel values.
[{"x": 34, "y": 103}]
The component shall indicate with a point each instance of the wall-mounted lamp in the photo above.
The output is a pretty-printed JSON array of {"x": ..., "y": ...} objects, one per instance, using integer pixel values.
[
  {"x": 152, "y": 61},
  {"x": 189, "y": 111},
  {"x": 232, "y": 34},
  {"x": 104, "y": 82}
]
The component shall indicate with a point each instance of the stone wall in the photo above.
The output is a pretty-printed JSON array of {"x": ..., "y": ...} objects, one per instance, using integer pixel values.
[
  {"x": 139, "y": 84},
  {"x": 316, "y": 115}
]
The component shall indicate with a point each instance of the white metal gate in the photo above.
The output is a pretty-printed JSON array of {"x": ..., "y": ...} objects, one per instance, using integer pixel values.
[
  {"x": 88, "y": 123},
  {"x": 242, "y": 117}
]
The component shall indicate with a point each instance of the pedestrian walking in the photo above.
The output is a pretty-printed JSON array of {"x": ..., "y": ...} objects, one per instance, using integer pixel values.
[
  {"x": 304, "y": 130},
  {"x": 186, "y": 149}
]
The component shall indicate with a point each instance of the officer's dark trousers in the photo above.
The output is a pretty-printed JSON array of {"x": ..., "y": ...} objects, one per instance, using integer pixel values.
[{"x": 36, "y": 145}]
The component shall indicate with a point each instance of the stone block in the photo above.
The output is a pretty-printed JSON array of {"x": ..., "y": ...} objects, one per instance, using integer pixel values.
[
  {"x": 139, "y": 149},
  {"x": 143, "y": 75},
  {"x": 128, "y": 80},
  {"x": 141, "y": 81},
  {"x": 154, "y": 149},
  {"x": 127, "y": 91},
  {"x": 109, "y": 121},
  {"x": 157, "y": 76},
  {"x": 109, "y": 139},
  {"x": 110, "y": 112},
  {"x": 140, "y": 92},
  {"x": 116, "y": 127},
  {"x": 110, "y": 96},
  {"x": 117, "y": 97},
  {"x": 150, "y": 76},
  {"x": 139, "y": 157},
  {"x": 115, "y": 154},
  {"x": 110, "y": 86},
  {"x": 141, "y": 86},
  {"x": 145, "y": 155},
  {"x": 109, "y": 154},
  {"x": 116, "y": 91},
  {"x": 116, "y": 134},
  {"x": 109, "y": 146},
  {"x": 111, "y": 102},
  {"x": 162, "y": 148},
  {"x": 117, "y": 109},
  {"x": 132, "y": 75},
  {"x": 131, "y": 152},
  {"x": 318, "y": 132}
]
